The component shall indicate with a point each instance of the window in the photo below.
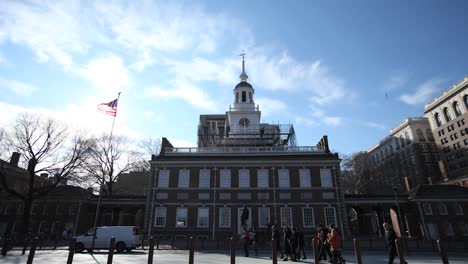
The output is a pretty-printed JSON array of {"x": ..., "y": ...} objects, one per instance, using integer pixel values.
[
  {"x": 304, "y": 178},
  {"x": 224, "y": 217},
  {"x": 286, "y": 216},
  {"x": 204, "y": 179},
  {"x": 244, "y": 196},
  {"x": 437, "y": 119},
  {"x": 225, "y": 178},
  {"x": 263, "y": 196},
  {"x": 420, "y": 135},
  {"x": 182, "y": 196},
  {"x": 442, "y": 209},
  {"x": 285, "y": 196},
  {"x": 225, "y": 196},
  {"x": 308, "y": 216},
  {"x": 244, "y": 178},
  {"x": 163, "y": 181},
  {"x": 330, "y": 216},
  {"x": 160, "y": 216},
  {"x": 325, "y": 178},
  {"x": 262, "y": 178},
  {"x": 447, "y": 114},
  {"x": 263, "y": 216},
  {"x": 463, "y": 227},
  {"x": 237, "y": 97},
  {"x": 328, "y": 195},
  {"x": 283, "y": 175},
  {"x": 448, "y": 229},
  {"x": 181, "y": 217},
  {"x": 456, "y": 108},
  {"x": 465, "y": 100},
  {"x": 306, "y": 196},
  {"x": 161, "y": 196},
  {"x": 407, "y": 137},
  {"x": 458, "y": 209},
  {"x": 203, "y": 217},
  {"x": 244, "y": 96},
  {"x": 427, "y": 209},
  {"x": 184, "y": 178},
  {"x": 203, "y": 196}
]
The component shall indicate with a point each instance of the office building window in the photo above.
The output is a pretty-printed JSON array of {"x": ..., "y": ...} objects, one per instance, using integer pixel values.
[
  {"x": 458, "y": 209},
  {"x": 442, "y": 208},
  {"x": 286, "y": 216},
  {"x": 304, "y": 178},
  {"x": 225, "y": 178},
  {"x": 447, "y": 114},
  {"x": 224, "y": 217},
  {"x": 448, "y": 229},
  {"x": 262, "y": 178},
  {"x": 283, "y": 175},
  {"x": 308, "y": 217},
  {"x": 203, "y": 217},
  {"x": 203, "y": 196},
  {"x": 437, "y": 119},
  {"x": 330, "y": 216},
  {"x": 263, "y": 216},
  {"x": 181, "y": 217},
  {"x": 184, "y": 178},
  {"x": 160, "y": 216},
  {"x": 456, "y": 108},
  {"x": 285, "y": 196},
  {"x": 263, "y": 196},
  {"x": 163, "y": 181},
  {"x": 204, "y": 179},
  {"x": 161, "y": 196},
  {"x": 244, "y": 178},
  {"x": 224, "y": 196},
  {"x": 427, "y": 209},
  {"x": 325, "y": 178}
]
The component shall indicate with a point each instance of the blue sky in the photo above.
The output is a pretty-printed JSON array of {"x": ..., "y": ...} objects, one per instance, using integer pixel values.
[{"x": 324, "y": 66}]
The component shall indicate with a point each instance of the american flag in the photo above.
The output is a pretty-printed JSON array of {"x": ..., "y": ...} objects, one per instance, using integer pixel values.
[{"x": 109, "y": 108}]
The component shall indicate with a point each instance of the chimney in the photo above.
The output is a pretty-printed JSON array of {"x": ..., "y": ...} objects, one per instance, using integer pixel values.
[
  {"x": 15, "y": 156},
  {"x": 325, "y": 142},
  {"x": 408, "y": 184}
]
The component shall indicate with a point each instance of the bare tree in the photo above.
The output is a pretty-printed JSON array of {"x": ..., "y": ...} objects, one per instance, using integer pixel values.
[
  {"x": 46, "y": 148},
  {"x": 356, "y": 173},
  {"x": 109, "y": 158},
  {"x": 150, "y": 146}
]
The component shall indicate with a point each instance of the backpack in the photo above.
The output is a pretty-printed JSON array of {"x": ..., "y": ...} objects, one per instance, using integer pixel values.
[{"x": 251, "y": 236}]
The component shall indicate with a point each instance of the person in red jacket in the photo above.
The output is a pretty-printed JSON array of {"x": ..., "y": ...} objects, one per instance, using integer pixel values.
[
  {"x": 245, "y": 238},
  {"x": 334, "y": 239}
]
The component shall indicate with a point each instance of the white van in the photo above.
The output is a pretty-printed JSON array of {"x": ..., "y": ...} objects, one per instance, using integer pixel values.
[{"x": 126, "y": 238}]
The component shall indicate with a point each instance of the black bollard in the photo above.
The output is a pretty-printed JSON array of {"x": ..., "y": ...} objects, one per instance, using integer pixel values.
[
  {"x": 111, "y": 251},
  {"x": 151, "y": 250},
  {"x": 232, "y": 249},
  {"x": 71, "y": 250},
  {"x": 191, "y": 250},
  {"x": 442, "y": 253},
  {"x": 274, "y": 253},
  {"x": 399, "y": 251},
  {"x": 32, "y": 251},
  {"x": 357, "y": 251},
  {"x": 157, "y": 242},
  {"x": 315, "y": 251},
  {"x": 25, "y": 246}
]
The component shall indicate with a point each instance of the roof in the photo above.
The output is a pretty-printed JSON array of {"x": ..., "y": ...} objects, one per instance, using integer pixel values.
[
  {"x": 423, "y": 191},
  {"x": 243, "y": 84}
]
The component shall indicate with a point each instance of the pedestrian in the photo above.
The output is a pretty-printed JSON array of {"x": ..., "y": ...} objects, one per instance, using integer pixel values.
[
  {"x": 253, "y": 240},
  {"x": 334, "y": 240},
  {"x": 324, "y": 248},
  {"x": 301, "y": 244},
  {"x": 287, "y": 243},
  {"x": 245, "y": 239},
  {"x": 294, "y": 242},
  {"x": 390, "y": 237},
  {"x": 277, "y": 236}
]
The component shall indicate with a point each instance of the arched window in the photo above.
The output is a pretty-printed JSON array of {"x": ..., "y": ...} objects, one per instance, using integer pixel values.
[
  {"x": 429, "y": 135},
  {"x": 250, "y": 98},
  {"x": 437, "y": 119},
  {"x": 407, "y": 137},
  {"x": 420, "y": 135},
  {"x": 456, "y": 108},
  {"x": 465, "y": 100},
  {"x": 237, "y": 97},
  {"x": 402, "y": 141},
  {"x": 244, "y": 96},
  {"x": 447, "y": 114}
]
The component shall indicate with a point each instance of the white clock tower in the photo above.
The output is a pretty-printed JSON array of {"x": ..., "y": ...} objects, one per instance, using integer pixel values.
[{"x": 244, "y": 116}]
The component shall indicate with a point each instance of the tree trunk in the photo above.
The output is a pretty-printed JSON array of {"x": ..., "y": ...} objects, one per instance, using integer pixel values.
[
  {"x": 109, "y": 188},
  {"x": 25, "y": 218}
]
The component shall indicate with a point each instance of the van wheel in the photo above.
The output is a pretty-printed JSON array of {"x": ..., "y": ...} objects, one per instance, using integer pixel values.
[
  {"x": 79, "y": 247},
  {"x": 120, "y": 247}
]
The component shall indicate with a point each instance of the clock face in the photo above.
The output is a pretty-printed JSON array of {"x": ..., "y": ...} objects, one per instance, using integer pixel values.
[{"x": 244, "y": 122}]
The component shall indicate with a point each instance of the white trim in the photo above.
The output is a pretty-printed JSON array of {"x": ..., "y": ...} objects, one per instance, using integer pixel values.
[
  {"x": 164, "y": 213},
  {"x": 260, "y": 221},
  {"x": 207, "y": 217},
  {"x": 180, "y": 209},
  {"x": 303, "y": 216},
  {"x": 227, "y": 209}
]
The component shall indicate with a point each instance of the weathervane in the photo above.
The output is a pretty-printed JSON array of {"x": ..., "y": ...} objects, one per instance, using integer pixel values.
[{"x": 243, "y": 76}]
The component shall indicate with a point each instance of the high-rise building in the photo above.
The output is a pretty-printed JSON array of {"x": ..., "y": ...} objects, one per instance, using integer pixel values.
[
  {"x": 243, "y": 173},
  {"x": 448, "y": 117}
]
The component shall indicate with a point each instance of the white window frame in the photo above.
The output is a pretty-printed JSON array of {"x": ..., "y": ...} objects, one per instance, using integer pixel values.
[
  {"x": 244, "y": 178},
  {"x": 204, "y": 178},
  {"x": 311, "y": 209},
  {"x": 262, "y": 178},
  {"x": 222, "y": 223},
  {"x": 284, "y": 212},
  {"x": 180, "y": 214},
  {"x": 225, "y": 178},
  {"x": 304, "y": 178},
  {"x": 326, "y": 178},
  {"x": 203, "y": 213},
  {"x": 262, "y": 220},
  {"x": 327, "y": 212},
  {"x": 184, "y": 178},
  {"x": 427, "y": 208},
  {"x": 442, "y": 209},
  {"x": 283, "y": 178},
  {"x": 163, "y": 179},
  {"x": 160, "y": 212}
]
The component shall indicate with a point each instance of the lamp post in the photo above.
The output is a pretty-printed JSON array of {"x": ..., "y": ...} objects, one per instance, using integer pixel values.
[
  {"x": 274, "y": 192},
  {"x": 214, "y": 202}
]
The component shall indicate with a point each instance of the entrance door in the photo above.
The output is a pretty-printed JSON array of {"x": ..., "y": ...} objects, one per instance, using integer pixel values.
[{"x": 239, "y": 222}]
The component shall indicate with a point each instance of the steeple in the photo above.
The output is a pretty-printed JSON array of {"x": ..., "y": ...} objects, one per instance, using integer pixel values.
[{"x": 243, "y": 76}]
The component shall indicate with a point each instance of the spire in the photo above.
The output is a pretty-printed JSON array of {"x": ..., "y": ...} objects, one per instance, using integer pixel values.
[{"x": 243, "y": 76}]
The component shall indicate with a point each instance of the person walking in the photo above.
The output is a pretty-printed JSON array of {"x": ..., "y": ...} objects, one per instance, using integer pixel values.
[
  {"x": 390, "y": 237},
  {"x": 253, "y": 240},
  {"x": 245, "y": 239},
  {"x": 287, "y": 243},
  {"x": 294, "y": 241},
  {"x": 277, "y": 236},
  {"x": 301, "y": 244},
  {"x": 324, "y": 247},
  {"x": 334, "y": 240}
]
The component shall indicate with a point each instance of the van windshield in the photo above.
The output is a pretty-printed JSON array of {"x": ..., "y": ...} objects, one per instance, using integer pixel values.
[
  {"x": 90, "y": 232},
  {"x": 136, "y": 231}
]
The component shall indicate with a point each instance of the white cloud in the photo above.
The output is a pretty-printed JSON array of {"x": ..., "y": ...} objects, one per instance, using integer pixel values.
[
  {"x": 374, "y": 125},
  {"x": 396, "y": 81},
  {"x": 423, "y": 92},
  {"x": 270, "y": 106},
  {"x": 17, "y": 87},
  {"x": 181, "y": 143},
  {"x": 186, "y": 91},
  {"x": 106, "y": 73},
  {"x": 306, "y": 121}
]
